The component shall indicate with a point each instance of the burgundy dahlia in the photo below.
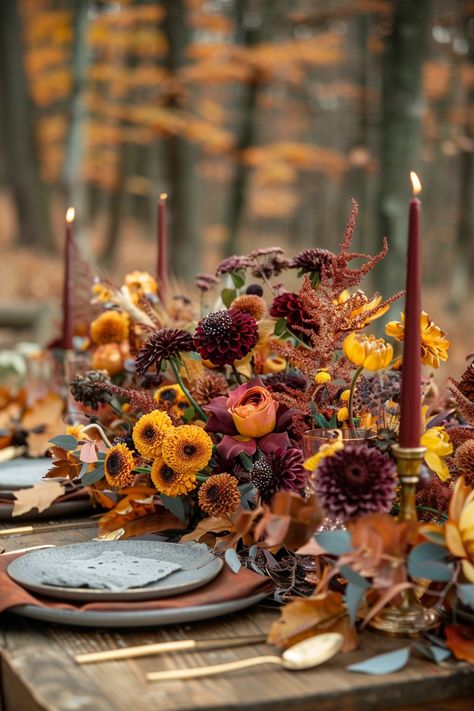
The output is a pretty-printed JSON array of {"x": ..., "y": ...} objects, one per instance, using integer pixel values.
[
  {"x": 287, "y": 306},
  {"x": 225, "y": 336},
  {"x": 162, "y": 345},
  {"x": 281, "y": 470},
  {"x": 355, "y": 481},
  {"x": 310, "y": 261}
]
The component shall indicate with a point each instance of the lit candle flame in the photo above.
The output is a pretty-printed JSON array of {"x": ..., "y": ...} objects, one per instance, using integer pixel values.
[
  {"x": 163, "y": 196},
  {"x": 70, "y": 214},
  {"x": 416, "y": 183}
]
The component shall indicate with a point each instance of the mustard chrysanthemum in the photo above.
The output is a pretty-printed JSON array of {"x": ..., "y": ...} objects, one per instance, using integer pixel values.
[
  {"x": 187, "y": 448},
  {"x": 169, "y": 482},
  {"x": 149, "y": 432},
  {"x": 118, "y": 466}
]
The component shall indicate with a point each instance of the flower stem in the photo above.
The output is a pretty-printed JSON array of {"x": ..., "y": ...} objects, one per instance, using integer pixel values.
[
  {"x": 236, "y": 374},
  {"x": 351, "y": 395},
  {"x": 183, "y": 387}
]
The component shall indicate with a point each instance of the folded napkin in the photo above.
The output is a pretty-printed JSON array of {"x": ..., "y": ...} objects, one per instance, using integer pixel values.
[{"x": 225, "y": 587}]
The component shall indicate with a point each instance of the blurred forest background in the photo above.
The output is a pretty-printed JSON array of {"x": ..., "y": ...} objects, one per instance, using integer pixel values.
[{"x": 259, "y": 118}]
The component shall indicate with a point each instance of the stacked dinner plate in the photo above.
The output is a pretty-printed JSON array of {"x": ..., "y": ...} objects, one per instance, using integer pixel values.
[{"x": 24, "y": 473}]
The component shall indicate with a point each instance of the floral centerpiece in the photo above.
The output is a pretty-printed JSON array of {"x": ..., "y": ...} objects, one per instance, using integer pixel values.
[{"x": 192, "y": 419}]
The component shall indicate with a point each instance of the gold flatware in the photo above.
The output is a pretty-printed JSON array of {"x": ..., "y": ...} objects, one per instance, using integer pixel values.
[
  {"x": 306, "y": 654},
  {"x": 22, "y": 530},
  {"x": 181, "y": 645},
  {"x": 30, "y": 548}
]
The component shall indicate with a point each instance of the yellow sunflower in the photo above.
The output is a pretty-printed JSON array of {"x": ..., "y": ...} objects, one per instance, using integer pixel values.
[
  {"x": 434, "y": 344},
  {"x": 141, "y": 283},
  {"x": 118, "y": 466},
  {"x": 109, "y": 327},
  {"x": 187, "y": 448},
  {"x": 169, "y": 482},
  {"x": 149, "y": 432}
]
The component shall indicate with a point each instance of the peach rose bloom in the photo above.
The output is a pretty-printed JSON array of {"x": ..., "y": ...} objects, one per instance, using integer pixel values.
[{"x": 253, "y": 411}]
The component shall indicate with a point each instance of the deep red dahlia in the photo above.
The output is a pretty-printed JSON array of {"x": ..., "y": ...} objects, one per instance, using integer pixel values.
[
  {"x": 287, "y": 306},
  {"x": 281, "y": 470},
  {"x": 225, "y": 336}
]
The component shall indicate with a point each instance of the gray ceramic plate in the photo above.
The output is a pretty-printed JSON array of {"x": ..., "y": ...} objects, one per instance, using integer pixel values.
[
  {"x": 143, "y": 618},
  {"x": 21, "y": 473},
  {"x": 199, "y": 568}
]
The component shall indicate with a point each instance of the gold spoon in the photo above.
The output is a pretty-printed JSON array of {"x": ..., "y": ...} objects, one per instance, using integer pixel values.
[{"x": 306, "y": 654}]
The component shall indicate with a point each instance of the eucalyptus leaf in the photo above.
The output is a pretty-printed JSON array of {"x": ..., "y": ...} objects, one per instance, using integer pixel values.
[
  {"x": 353, "y": 597},
  {"x": 429, "y": 560},
  {"x": 334, "y": 542},
  {"x": 466, "y": 595},
  {"x": 246, "y": 462},
  {"x": 432, "y": 652},
  {"x": 232, "y": 560},
  {"x": 238, "y": 279},
  {"x": 67, "y": 442},
  {"x": 280, "y": 327},
  {"x": 383, "y": 663},
  {"x": 175, "y": 505},
  {"x": 227, "y": 296},
  {"x": 188, "y": 414},
  {"x": 93, "y": 476}
]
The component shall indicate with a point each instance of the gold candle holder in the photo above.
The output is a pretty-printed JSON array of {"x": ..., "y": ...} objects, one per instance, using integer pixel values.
[{"x": 409, "y": 618}]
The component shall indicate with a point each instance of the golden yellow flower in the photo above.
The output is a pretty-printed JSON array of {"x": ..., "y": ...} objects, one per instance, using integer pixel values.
[
  {"x": 219, "y": 495},
  {"x": 118, "y": 466},
  {"x": 342, "y": 414},
  {"x": 101, "y": 293},
  {"x": 459, "y": 529},
  {"x": 361, "y": 305},
  {"x": 274, "y": 364},
  {"x": 108, "y": 357},
  {"x": 109, "y": 327},
  {"x": 187, "y": 448},
  {"x": 76, "y": 431},
  {"x": 141, "y": 283},
  {"x": 170, "y": 482},
  {"x": 322, "y": 377},
  {"x": 345, "y": 395},
  {"x": 172, "y": 398},
  {"x": 149, "y": 432},
  {"x": 326, "y": 450},
  {"x": 366, "y": 351},
  {"x": 438, "y": 445},
  {"x": 434, "y": 344}
]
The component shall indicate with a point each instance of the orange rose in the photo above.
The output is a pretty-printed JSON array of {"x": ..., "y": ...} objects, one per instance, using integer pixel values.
[{"x": 253, "y": 410}]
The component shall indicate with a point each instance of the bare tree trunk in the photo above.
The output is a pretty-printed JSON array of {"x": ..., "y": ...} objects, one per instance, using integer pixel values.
[
  {"x": 181, "y": 159},
  {"x": 463, "y": 271},
  {"x": 401, "y": 132},
  {"x": 29, "y": 193}
]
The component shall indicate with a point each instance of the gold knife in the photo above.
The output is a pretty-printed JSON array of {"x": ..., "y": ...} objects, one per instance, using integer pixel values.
[{"x": 181, "y": 645}]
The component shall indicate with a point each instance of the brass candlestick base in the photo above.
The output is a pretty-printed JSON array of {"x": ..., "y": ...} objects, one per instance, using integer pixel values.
[{"x": 410, "y": 618}]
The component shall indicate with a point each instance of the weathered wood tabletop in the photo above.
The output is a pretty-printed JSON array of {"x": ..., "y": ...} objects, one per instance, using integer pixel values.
[{"x": 38, "y": 670}]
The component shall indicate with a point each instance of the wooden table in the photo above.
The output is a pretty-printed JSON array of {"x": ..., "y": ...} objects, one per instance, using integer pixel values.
[{"x": 38, "y": 670}]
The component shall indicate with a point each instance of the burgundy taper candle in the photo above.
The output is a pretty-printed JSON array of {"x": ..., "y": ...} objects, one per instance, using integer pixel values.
[
  {"x": 162, "y": 256},
  {"x": 410, "y": 403},
  {"x": 68, "y": 284}
]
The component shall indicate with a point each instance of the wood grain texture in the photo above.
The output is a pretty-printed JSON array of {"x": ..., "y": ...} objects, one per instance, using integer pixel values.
[{"x": 39, "y": 672}]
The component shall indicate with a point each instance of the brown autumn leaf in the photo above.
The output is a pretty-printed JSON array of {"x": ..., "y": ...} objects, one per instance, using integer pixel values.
[
  {"x": 207, "y": 526},
  {"x": 64, "y": 465},
  {"x": 460, "y": 640},
  {"x": 305, "y": 617},
  {"x": 40, "y": 497},
  {"x": 290, "y": 521}
]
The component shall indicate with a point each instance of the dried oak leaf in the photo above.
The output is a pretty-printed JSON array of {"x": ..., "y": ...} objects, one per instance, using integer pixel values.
[
  {"x": 40, "y": 497},
  {"x": 460, "y": 640},
  {"x": 137, "y": 514},
  {"x": 65, "y": 464},
  {"x": 305, "y": 617},
  {"x": 206, "y": 528}
]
